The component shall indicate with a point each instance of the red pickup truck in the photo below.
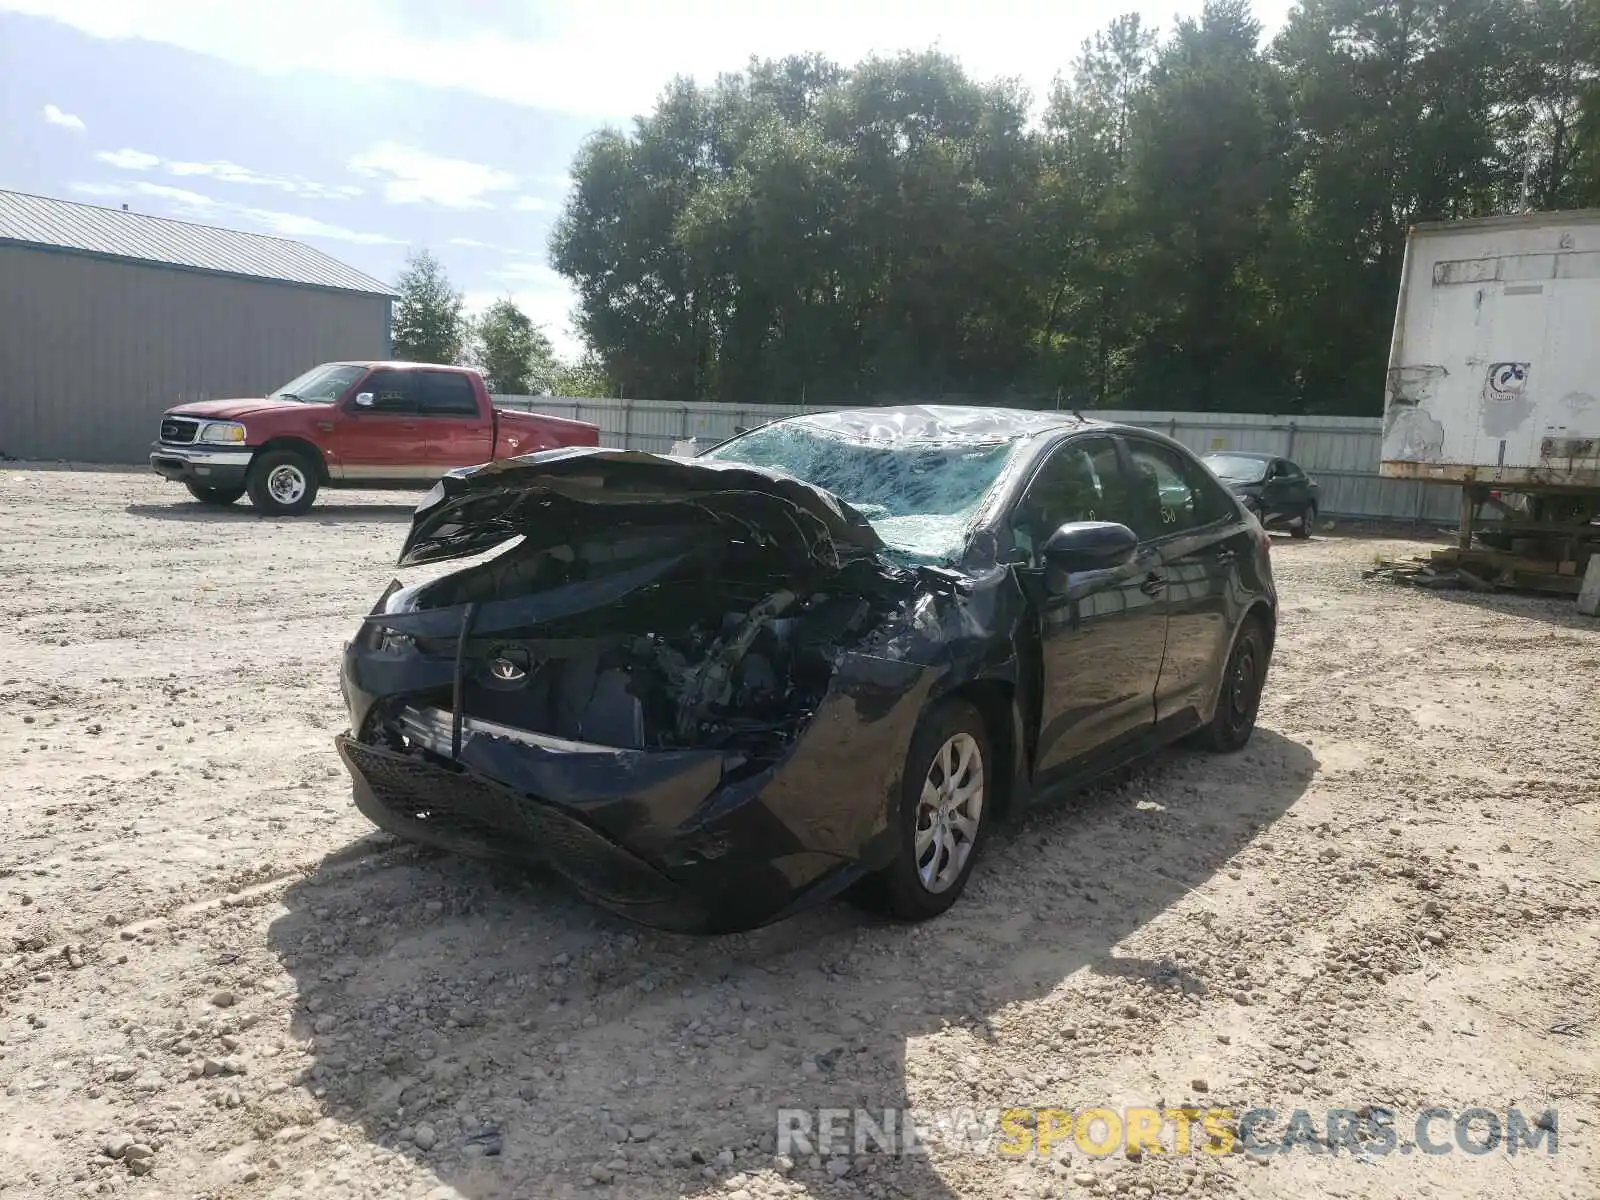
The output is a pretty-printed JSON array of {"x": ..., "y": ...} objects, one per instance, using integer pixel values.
[{"x": 348, "y": 424}]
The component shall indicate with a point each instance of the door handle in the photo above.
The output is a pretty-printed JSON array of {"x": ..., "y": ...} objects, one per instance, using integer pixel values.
[
  {"x": 1153, "y": 585},
  {"x": 407, "y": 426},
  {"x": 1225, "y": 556}
]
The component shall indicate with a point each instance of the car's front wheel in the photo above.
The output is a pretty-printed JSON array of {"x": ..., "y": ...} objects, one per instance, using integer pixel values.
[
  {"x": 282, "y": 483},
  {"x": 945, "y": 804},
  {"x": 220, "y": 496}
]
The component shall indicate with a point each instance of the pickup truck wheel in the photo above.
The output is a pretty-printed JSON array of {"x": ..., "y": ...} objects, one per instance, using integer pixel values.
[
  {"x": 282, "y": 483},
  {"x": 221, "y": 497}
]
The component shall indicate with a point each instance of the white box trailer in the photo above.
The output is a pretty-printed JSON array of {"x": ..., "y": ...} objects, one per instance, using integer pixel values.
[
  {"x": 1494, "y": 370},
  {"x": 1494, "y": 374}
]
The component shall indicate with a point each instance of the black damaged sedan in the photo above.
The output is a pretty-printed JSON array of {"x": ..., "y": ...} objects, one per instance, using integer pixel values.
[{"x": 828, "y": 654}]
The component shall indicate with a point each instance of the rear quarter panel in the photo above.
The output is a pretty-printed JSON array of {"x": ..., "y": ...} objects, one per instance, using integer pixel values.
[{"x": 524, "y": 433}]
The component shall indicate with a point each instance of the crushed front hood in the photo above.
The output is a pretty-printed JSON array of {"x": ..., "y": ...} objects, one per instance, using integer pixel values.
[{"x": 473, "y": 510}]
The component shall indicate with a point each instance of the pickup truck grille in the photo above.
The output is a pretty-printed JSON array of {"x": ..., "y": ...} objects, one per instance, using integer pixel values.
[{"x": 177, "y": 429}]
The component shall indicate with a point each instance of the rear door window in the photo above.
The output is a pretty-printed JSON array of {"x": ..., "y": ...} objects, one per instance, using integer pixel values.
[
  {"x": 1169, "y": 493},
  {"x": 447, "y": 394}
]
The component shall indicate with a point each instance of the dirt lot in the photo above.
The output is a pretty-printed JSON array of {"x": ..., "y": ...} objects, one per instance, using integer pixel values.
[{"x": 218, "y": 981}]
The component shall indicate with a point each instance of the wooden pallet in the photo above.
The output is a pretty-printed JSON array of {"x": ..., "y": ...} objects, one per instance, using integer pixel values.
[
  {"x": 1508, "y": 571},
  {"x": 1479, "y": 571}
]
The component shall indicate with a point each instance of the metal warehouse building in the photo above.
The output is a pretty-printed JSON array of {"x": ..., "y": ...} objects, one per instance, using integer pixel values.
[{"x": 107, "y": 318}]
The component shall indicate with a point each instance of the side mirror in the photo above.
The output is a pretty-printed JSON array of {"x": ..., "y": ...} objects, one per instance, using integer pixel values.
[
  {"x": 363, "y": 399},
  {"x": 1087, "y": 546}
]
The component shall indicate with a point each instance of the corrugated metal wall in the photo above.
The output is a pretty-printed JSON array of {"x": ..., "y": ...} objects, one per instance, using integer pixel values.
[
  {"x": 93, "y": 350},
  {"x": 1342, "y": 452}
]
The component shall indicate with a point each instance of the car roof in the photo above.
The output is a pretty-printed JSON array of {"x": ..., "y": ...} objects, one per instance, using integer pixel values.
[
  {"x": 394, "y": 364},
  {"x": 940, "y": 424}
]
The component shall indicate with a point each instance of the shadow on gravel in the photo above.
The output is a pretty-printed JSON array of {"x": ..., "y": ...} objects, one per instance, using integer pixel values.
[
  {"x": 1560, "y": 611},
  {"x": 326, "y": 514},
  {"x": 517, "y": 1042}
]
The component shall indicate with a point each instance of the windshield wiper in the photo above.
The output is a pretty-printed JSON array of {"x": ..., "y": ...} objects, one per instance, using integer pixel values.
[{"x": 288, "y": 396}]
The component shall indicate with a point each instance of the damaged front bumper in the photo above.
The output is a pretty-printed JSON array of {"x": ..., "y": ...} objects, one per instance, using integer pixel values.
[{"x": 698, "y": 840}]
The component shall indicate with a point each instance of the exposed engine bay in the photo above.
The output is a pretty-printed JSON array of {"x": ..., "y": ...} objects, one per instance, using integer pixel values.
[
  {"x": 661, "y": 629},
  {"x": 688, "y": 685}
]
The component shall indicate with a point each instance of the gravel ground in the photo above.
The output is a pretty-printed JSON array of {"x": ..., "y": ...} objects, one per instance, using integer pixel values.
[{"x": 218, "y": 981}]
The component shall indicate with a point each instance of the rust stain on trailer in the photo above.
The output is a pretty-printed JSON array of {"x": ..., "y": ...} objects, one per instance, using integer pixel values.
[{"x": 1573, "y": 452}]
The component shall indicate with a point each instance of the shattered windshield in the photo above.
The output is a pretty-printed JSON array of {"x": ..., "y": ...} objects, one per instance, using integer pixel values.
[
  {"x": 920, "y": 497},
  {"x": 320, "y": 385},
  {"x": 1236, "y": 468}
]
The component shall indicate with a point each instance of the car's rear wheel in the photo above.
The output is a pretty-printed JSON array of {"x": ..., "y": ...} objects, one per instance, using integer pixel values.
[
  {"x": 220, "y": 496},
  {"x": 945, "y": 804},
  {"x": 1302, "y": 528},
  {"x": 282, "y": 483},
  {"x": 1239, "y": 698}
]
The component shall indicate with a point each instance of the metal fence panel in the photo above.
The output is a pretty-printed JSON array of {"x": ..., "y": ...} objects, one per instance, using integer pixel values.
[{"x": 1341, "y": 452}]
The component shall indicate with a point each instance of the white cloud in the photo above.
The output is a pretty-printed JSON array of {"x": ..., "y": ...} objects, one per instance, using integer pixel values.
[
  {"x": 608, "y": 58},
  {"x": 129, "y": 160},
  {"x": 155, "y": 191},
  {"x": 292, "y": 225},
  {"x": 533, "y": 204},
  {"x": 413, "y": 176},
  {"x": 224, "y": 171},
  {"x": 187, "y": 205},
  {"x": 179, "y": 196},
  {"x": 66, "y": 120}
]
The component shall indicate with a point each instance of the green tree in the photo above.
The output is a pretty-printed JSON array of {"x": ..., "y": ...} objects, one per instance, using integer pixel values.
[
  {"x": 582, "y": 377},
  {"x": 1198, "y": 222},
  {"x": 429, "y": 316},
  {"x": 1551, "y": 129},
  {"x": 514, "y": 354},
  {"x": 1208, "y": 189},
  {"x": 1397, "y": 106},
  {"x": 801, "y": 232},
  {"x": 1089, "y": 303}
]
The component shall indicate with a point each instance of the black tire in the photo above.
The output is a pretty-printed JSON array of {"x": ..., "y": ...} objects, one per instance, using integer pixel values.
[
  {"x": 899, "y": 890},
  {"x": 1239, "y": 697},
  {"x": 282, "y": 483},
  {"x": 1302, "y": 528},
  {"x": 221, "y": 497}
]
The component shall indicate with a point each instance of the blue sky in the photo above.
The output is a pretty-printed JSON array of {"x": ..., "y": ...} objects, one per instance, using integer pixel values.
[{"x": 365, "y": 127}]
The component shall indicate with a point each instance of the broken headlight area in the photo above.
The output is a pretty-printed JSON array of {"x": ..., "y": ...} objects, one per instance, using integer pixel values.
[
  {"x": 652, "y": 638},
  {"x": 687, "y": 688}
]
